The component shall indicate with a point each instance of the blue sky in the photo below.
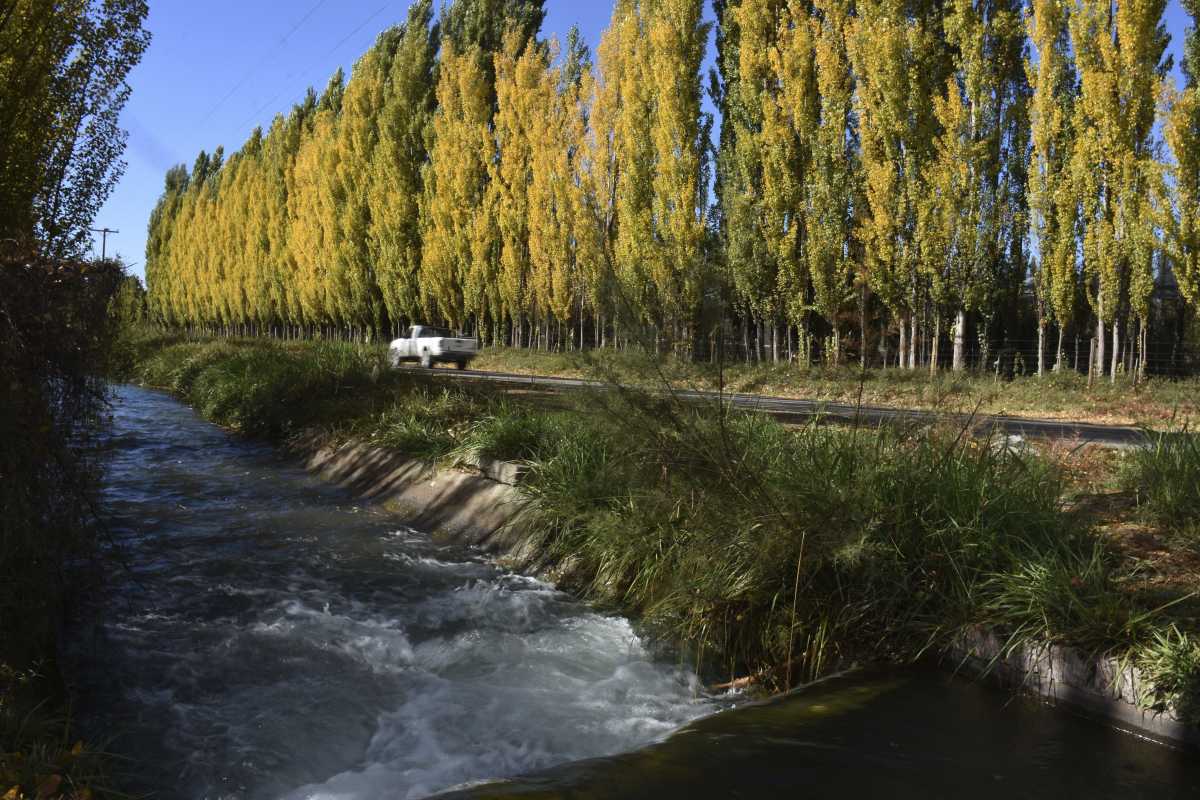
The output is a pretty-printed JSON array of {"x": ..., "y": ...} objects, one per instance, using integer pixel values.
[{"x": 217, "y": 69}]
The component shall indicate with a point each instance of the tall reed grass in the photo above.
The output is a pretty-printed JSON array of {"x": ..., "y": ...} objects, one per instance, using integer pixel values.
[
  {"x": 792, "y": 552},
  {"x": 1165, "y": 476}
]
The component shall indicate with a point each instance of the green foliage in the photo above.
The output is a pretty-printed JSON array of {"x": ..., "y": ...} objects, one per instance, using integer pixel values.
[
  {"x": 62, "y": 87},
  {"x": 1165, "y": 474},
  {"x": 1170, "y": 663},
  {"x": 763, "y": 546},
  {"x": 54, "y": 343}
]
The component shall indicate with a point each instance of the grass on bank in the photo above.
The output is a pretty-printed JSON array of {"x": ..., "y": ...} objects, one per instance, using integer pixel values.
[
  {"x": 757, "y": 548},
  {"x": 1155, "y": 403}
]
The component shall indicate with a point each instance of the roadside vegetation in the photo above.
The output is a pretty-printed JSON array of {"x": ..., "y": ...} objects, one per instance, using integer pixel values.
[
  {"x": 55, "y": 335},
  {"x": 761, "y": 551},
  {"x": 63, "y": 70},
  {"x": 1155, "y": 402}
]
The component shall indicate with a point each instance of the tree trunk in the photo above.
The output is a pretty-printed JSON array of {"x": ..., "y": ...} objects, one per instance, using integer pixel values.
[
  {"x": 1099, "y": 342},
  {"x": 1144, "y": 360},
  {"x": 1041, "y": 345},
  {"x": 746, "y": 339},
  {"x": 933, "y": 349},
  {"x": 960, "y": 332},
  {"x": 912, "y": 342},
  {"x": 1093, "y": 362},
  {"x": 862, "y": 322},
  {"x": 1058, "y": 356},
  {"x": 1116, "y": 348},
  {"x": 903, "y": 357}
]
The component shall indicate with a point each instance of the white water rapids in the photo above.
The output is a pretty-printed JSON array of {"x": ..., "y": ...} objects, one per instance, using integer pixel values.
[{"x": 268, "y": 637}]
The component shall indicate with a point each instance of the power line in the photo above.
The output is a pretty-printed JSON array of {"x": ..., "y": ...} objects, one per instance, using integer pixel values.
[
  {"x": 253, "y": 116},
  {"x": 104, "y": 232},
  {"x": 255, "y": 69}
]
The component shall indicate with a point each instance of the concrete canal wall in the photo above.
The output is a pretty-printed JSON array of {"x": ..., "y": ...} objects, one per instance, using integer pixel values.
[{"x": 484, "y": 508}]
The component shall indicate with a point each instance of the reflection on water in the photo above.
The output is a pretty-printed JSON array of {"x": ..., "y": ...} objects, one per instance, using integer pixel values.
[
  {"x": 270, "y": 638},
  {"x": 913, "y": 735}
]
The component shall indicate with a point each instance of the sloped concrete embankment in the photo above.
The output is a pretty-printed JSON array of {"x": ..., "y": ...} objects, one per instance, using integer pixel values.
[
  {"x": 484, "y": 508},
  {"x": 481, "y": 507}
]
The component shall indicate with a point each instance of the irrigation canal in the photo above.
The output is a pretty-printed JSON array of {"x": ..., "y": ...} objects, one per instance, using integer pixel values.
[{"x": 262, "y": 635}]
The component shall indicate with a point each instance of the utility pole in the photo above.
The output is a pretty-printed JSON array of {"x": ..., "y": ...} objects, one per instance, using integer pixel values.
[{"x": 104, "y": 232}]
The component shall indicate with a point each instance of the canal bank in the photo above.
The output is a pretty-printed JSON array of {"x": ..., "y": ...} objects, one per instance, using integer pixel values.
[
  {"x": 485, "y": 508},
  {"x": 268, "y": 635},
  {"x": 763, "y": 553}
]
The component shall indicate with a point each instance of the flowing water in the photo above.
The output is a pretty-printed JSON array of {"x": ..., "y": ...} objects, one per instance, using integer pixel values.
[{"x": 266, "y": 636}]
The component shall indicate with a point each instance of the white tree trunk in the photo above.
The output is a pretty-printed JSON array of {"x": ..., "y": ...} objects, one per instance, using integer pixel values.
[
  {"x": 933, "y": 350},
  {"x": 1116, "y": 348},
  {"x": 960, "y": 333},
  {"x": 1041, "y": 349},
  {"x": 912, "y": 342}
]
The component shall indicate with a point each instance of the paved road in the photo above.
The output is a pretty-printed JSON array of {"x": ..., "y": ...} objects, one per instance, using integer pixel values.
[{"x": 791, "y": 410}]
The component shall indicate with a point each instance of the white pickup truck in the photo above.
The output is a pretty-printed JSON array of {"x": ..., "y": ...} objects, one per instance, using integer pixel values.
[{"x": 429, "y": 345}]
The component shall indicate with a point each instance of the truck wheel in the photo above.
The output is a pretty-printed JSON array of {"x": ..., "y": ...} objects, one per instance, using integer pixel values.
[
  {"x": 460, "y": 364},
  {"x": 426, "y": 360}
]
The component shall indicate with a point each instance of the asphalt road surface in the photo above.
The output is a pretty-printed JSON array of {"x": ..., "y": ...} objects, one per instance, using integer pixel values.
[{"x": 792, "y": 410}]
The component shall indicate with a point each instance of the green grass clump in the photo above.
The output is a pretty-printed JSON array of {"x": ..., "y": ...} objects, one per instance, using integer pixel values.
[
  {"x": 800, "y": 550},
  {"x": 1165, "y": 475},
  {"x": 508, "y": 432},
  {"x": 1171, "y": 664},
  {"x": 263, "y": 388}
]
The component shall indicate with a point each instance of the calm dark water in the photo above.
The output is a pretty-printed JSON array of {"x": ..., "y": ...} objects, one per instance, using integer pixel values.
[{"x": 270, "y": 637}]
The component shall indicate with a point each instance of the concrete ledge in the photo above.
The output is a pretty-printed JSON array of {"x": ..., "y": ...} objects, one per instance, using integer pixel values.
[{"x": 1097, "y": 686}]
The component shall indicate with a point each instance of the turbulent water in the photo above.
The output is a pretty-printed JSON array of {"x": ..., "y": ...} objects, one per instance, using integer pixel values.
[
  {"x": 273, "y": 638},
  {"x": 266, "y": 636}
]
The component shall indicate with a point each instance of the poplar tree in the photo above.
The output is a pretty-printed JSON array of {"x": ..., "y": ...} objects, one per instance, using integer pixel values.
[
  {"x": 1050, "y": 201},
  {"x": 557, "y": 196},
  {"x": 1118, "y": 53},
  {"x": 519, "y": 72},
  {"x": 481, "y": 26},
  {"x": 972, "y": 195},
  {"x": 1182, "y": 132},
  {"x": 760, "y": 192},
  {"x": 284, "y": 151},
  {"x": 899, "y": 63},
  {"x": 395, "y": 183},
  {"x": 160, "y": 232},
  {"x": 625, "y": 68},
  {"x": 358, "y": 134},
  {"x": 455, "y": 183},
  {"x": 677, "y": 37},
  {"x": 63, "y": 71},
  {"x": 599, "y": 172},
  {"x": 313, "y": 206},
  {"x": 832, "y": 178}
]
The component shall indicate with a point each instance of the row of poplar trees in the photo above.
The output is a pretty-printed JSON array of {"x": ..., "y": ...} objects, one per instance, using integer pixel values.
[{"x": 915, "y": 173}]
